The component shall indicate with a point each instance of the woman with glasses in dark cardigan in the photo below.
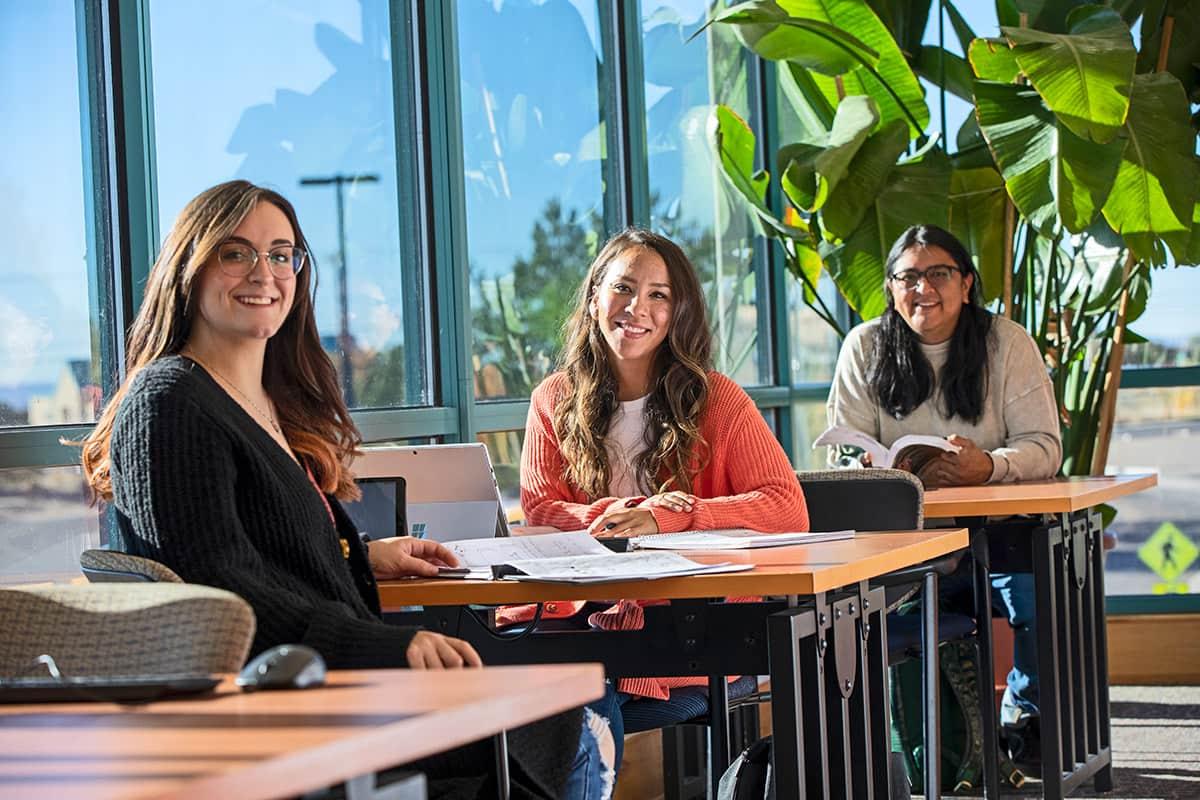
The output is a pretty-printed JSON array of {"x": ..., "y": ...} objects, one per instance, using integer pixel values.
[
  {"x": 937, "y": 362},
  {"x": 224, "y": 454}
]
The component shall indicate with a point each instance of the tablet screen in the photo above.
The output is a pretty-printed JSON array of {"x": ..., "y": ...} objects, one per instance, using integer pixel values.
[{"x": 380, "y": 512}]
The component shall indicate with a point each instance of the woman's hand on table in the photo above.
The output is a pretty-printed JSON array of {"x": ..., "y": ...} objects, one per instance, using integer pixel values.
[
  {"x": 672, "y": 501},
  {"x": 435, "y": 651},
  {"x": 621, "y": 521},
  {"x": 406, "y": 557}
]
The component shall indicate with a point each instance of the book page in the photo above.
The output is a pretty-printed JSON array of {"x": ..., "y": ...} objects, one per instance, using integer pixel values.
[
  {"x": 919, "y": 449},
  {"x": 476, "y": 553},
  {"x": 839, "y": 435}
]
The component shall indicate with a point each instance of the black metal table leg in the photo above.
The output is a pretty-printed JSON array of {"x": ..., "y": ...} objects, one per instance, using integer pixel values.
[
  {"x": 797, "y": 711},
  {"x": 1047, "y": 541},
  {"x": 718, "y": 729},
  {"x": 1104, "y": 776},
  {"x": 875, "y": 681},
  {"x": 930, "y": 678},
  {"x": 503, "y": 787},
  {"x": 981, "y": 573}
]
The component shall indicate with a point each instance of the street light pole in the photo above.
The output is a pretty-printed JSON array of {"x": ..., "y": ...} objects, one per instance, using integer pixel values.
[{"x": 338, "y": 181}]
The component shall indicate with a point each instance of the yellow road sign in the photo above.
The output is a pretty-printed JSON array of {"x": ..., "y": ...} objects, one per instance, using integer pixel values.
[{"x": 1168, "y": 552}]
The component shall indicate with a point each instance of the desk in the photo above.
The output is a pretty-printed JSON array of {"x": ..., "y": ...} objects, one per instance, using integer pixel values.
[
  {"x": 828, "y": 653},
  {"x": 1065, "y": 555},
  {"x": 273, "y": 744}
]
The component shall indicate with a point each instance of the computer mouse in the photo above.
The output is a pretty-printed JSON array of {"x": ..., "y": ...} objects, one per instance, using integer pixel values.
[{"x": 285, "y": 666}]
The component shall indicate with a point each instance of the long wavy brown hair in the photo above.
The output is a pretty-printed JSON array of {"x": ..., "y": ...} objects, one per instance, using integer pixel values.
[
  {"x": 297, "y": 373},
  {"x": 675, "y": 450}
]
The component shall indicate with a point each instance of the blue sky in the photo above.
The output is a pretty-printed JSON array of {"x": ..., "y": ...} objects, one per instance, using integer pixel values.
[{"x": 302, "y": 87}]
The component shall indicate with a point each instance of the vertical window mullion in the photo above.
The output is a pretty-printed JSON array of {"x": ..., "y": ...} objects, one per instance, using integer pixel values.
[
  {"x": 626, "y": 178},
  {"x": 445, "y": 193}
]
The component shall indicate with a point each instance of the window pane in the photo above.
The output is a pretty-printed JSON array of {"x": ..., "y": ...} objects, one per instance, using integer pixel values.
[
  {"x": 45, "y": 523},
  {"x": 532, "y": 148},
  {"x": 813, "y": 344},
  {"x": 314, "y": 119},
  {"x": 808, "y": 420},
  {"x": 1169, "y": 321},
  {"x": 1158, "y": 530},
  {"x": 49, "y": 322},
  {"x": 690, "y": 199}
]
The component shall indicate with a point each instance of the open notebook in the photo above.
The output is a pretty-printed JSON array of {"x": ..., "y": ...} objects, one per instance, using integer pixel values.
[{"x": 570, "y": 557}]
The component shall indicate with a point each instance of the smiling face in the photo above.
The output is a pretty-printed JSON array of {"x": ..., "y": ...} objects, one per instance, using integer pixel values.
[
  {"x": 252, "y": 307},
  {"x": 633, "y": 306},
  {"x": 931, "y": 310}
]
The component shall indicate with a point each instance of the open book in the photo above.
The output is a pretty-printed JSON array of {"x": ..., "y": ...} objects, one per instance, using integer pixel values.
[
  {"x": 737, "y": 539},
  {"x": 916, "y": 448},
  {"x": 570, "y": 557}
]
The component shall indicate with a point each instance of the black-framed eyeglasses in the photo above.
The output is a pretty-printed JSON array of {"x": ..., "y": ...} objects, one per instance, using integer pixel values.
[
  {"x": 938, "y": 275},
  {"x": 238, "y": 260}
]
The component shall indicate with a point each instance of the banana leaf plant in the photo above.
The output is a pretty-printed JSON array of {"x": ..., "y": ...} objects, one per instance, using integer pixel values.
[{"x": 1074, "y": 177}]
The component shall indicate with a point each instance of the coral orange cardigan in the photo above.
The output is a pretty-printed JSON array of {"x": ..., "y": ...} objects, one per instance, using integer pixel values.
[{"x": 747, "y": 483}]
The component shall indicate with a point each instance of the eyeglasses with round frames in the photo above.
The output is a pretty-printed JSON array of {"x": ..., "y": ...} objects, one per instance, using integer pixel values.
[
  {"x": 938, "y": 275},
  {"x": 238, "y": 260}
]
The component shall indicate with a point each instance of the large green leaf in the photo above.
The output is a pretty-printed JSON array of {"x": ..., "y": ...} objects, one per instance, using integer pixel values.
[
  {"x": 1083, "y": 76},
  {"x": 1052, "y": 174},
  {"x": 1021, "y": 134},
  {"x": 736, "y": 146},
  {"x": 906, "y": 19},
  {"x": 809, "y": 173},
  {"x": 812, "y": 110},
  {"x": 962, "y": 29},
  {"x": 890, "y": 83},
  {"x": 993, "y": 60},
  {"x": 866, "y": 176},
  {"x": 915, "y": 193},
  {"x": 977, "y": 201},
  {"x": 1084, "y": 173},
  {"x": 1183, "y": 57},
  {"x": 932, "y": 60},
  {"x": 812, "y": 42},
  {"x": 1045, "y": 15},
  {"x": 1155, "y": 192}
]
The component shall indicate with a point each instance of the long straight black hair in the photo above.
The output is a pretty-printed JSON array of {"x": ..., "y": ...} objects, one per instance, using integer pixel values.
[{"x": 903, "y": 377}]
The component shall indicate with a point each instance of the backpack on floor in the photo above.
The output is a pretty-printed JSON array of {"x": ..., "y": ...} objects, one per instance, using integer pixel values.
[
  {"x": 749, "y": 776},
  {"x": 961, "y": 725}
]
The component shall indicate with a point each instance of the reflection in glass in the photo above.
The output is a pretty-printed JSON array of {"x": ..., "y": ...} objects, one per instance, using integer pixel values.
[
  {"x": 316, "y": 121},
  {"x": 690, "y": 199},
  {"x": 504, "y": 448},
  {"x": 532, "y": 149},
  {"x": 45, "y": 524},
  {"x": 1157, "y": 430},
  {"x": 49, "y": 326}
]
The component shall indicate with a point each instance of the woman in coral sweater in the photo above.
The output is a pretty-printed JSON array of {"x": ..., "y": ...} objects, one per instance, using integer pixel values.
[{"x": 636, "y": 434}]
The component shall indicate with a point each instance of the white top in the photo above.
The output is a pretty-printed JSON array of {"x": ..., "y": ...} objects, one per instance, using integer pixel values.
[
  {"x": 1019, "y": 425},
  {"x": 626, "y": 440}
]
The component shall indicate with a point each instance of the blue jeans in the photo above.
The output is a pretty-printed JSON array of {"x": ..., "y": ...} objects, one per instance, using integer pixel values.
[
  {"x": 593, "y": 772},
  {"x": 1012, "y": 598},
  {"x": 1012, "y": 595}
]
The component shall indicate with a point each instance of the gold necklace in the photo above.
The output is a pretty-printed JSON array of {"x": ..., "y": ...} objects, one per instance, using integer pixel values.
[{"x": 269, "y": 418}]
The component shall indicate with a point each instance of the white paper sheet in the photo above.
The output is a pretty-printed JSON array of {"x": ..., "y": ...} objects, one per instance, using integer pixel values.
[
  {"x": 476, "y": 553},
  {"x": 617, "y": 567},
  {"x": 737, "y": 539}
]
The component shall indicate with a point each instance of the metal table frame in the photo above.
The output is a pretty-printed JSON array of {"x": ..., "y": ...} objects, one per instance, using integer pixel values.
[{"x": 826, "y": 655}]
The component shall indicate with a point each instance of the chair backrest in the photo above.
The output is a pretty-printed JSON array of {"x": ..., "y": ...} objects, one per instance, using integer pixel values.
[
  {"x": 106, "y": 566},
  {"x": 863, "y": 499},
  {"x": 124, "y": 629}
]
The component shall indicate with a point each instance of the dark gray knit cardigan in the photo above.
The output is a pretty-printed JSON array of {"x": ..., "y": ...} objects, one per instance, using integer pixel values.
[{"x": 199, "y": 486}]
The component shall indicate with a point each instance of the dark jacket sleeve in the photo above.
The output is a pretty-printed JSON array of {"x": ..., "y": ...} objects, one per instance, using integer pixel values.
[{"x": 174, "y": 474}]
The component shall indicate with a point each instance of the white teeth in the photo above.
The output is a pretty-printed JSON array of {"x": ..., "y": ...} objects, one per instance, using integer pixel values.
[{"x": 256, "y": 301}]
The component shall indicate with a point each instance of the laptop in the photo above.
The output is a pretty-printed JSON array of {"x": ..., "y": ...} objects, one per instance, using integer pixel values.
[{"x": 450, "y": 490}]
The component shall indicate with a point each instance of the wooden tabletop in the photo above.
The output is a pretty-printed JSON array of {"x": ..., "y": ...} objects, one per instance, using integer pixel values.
[
  {"x": 277, "y": 743},
  {"x": 1054, "y": 496},
  {"x": 796, "y": 569}
]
